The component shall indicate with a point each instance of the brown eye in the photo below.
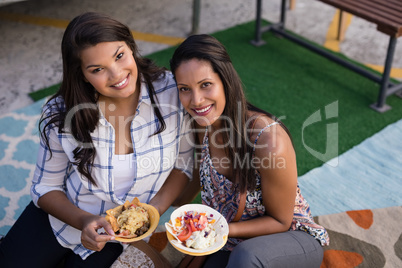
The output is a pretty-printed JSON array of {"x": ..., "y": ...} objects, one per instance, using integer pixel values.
[
  {"x": 206, "y": 84},
  {"x": 184, "y": 89},
  {"x": 119, "y": 56},
  {"x": 97, "y": 70}
]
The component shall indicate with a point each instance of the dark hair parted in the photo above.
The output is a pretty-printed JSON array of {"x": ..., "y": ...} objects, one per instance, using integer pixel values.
[
  {"x": 208, "y": 48},
  {"x": 84, "y": 31}
]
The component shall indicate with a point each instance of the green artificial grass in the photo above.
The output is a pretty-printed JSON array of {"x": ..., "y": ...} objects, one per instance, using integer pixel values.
[
  {"x": 294, "y": 83},
  {"x": 43, "y": 93}
]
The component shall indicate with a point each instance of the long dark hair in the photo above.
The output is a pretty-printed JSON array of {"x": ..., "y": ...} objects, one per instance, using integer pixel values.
[
  {"x": 208, "y": 48},
  {"x": 87, "y": 30}
]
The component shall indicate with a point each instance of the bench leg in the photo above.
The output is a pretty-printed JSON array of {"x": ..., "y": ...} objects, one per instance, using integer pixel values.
[
  {"x": 196, "y": 16},
  {"x": 380, "y": 105},
  {"x": 283, "y": 14},
  {"x": 258, "y": 31},
  {"x": 292, "y": 4},
  {"x": 341, "y": 25}
]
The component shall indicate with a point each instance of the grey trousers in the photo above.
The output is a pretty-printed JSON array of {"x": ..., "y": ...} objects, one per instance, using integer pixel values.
[{"x": 289, "y": 249}]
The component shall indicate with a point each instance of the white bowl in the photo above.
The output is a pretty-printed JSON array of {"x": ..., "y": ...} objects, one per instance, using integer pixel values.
[{"x": 220, "y": 225}]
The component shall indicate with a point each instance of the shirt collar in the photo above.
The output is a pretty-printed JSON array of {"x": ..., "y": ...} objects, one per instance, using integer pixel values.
[
  {"x": 144, "y": 96},
  {"x": 102, "y": 119}
]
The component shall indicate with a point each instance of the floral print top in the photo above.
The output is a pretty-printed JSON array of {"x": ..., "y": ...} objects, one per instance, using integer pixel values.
[{"x": 221, "y": 194}]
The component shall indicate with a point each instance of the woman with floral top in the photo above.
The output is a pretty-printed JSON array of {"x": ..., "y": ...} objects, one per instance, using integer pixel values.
[{"x": 247, "y": 165}]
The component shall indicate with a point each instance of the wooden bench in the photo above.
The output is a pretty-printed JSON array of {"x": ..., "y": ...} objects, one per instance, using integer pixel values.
[{"x": 386, "y": 14}]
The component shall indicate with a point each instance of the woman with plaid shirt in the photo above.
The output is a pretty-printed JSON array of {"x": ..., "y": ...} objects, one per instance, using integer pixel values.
[{"x": 115, "y": 130}]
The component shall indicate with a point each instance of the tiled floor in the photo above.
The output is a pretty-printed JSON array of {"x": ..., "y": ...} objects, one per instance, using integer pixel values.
[{"x": 31, "y": 32}]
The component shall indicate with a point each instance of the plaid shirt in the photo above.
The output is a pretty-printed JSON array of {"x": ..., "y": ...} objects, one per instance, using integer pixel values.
[{"x": 154, "y": 158}]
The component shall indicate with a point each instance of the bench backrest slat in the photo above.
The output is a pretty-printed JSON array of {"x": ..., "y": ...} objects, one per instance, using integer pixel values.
[
  {"x": 396, "y": 4},
  {"x": 394, "y": 9}
]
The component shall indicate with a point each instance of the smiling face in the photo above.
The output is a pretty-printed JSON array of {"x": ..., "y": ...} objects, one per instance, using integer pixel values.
[
  {"x": 201, "y": 91},
  {"x": 111, "y": 69}
]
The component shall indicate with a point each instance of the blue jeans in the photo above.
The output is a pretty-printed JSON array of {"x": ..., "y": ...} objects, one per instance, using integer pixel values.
[
  {"x": 31, "y": 243},
  {"x": 288, "y": 249}
]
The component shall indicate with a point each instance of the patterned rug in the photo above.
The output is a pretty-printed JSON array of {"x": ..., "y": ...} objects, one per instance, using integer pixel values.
[
  {"x": 364, "y": 238},
  {"x": 19, "y": 142}
]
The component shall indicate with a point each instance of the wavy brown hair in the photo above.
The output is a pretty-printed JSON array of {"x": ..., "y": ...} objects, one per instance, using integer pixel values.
[
  {"x": 208, "y": 48},
  {"x": 87, "y": 30}
]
